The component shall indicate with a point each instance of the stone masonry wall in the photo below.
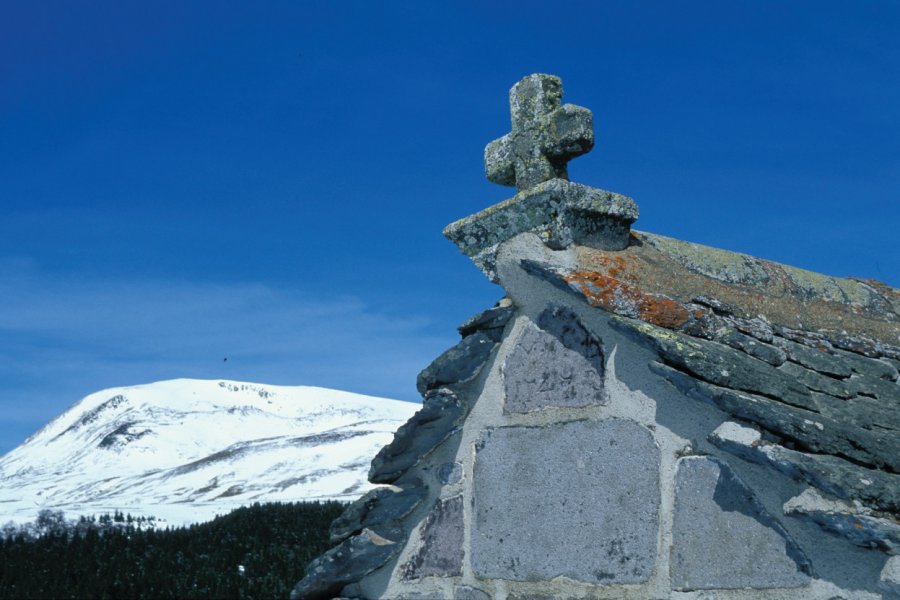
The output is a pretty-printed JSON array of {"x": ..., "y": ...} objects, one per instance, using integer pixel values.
[{"x": 551, "y": 461}]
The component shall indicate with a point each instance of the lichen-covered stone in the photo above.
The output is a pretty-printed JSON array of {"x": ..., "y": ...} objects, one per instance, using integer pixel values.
[
  {"x": 868, "y": 367},
  {"x": 378, "y": 510},
  {"x": 833, "y": 289},
  {"x": 818, "y": 359},
  {"x": 723, "y": 538},
  {"x": 868, "y": 413},
  {"x": 441, "y": 552},
  {"x": 719, "y": 307},
  {"x": 348, "y": 562},
  {"x": 594, "y": 486},
  {"x": 459, "y": 364},
  {"x": 756, "y": 327},
  {"x": 817, "y": 381},
  {"x": 558, "y": 364},
  {"x": 730, "y": 267},
  {"x": 702, "y": 322},
  {"x": 812, "y": 339},
  {"x": 846, "y": 520},
  {"x": 751, "y": 289},
  {"x": 723, "y": 366},
  {"x": 438, "y": 418},
  {"x": 857, "y": 344},
  {"x": 887, "y": 392},
  {"x": 613, "y": 295},
  {"x": 832, "y": 475},
  {"x": 809, "y": 430},
  {"x": 544, "y": 136},
  {"x": 751, "y": 345},
  {"x": 537, "y": 210}
]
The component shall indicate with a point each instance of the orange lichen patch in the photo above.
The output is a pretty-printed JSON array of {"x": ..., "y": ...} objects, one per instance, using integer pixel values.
[
  {"x": 617, "y": 265},
  {"x": 784, "y": 296},
  {"x": 616, "y": 296}
]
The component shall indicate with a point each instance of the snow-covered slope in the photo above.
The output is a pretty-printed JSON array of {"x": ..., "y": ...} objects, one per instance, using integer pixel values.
[{"x": 185, "y": 450}]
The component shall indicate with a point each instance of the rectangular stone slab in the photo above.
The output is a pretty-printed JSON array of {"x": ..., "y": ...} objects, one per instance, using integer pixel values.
[{"x": 577, "y": 499}]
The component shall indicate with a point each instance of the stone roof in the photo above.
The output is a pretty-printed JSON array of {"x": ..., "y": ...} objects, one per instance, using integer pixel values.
[{"x": 683, "y": 285}]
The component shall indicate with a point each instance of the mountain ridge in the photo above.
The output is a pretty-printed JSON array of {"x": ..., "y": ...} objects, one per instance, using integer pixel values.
[{"x": 184, "y": 450}]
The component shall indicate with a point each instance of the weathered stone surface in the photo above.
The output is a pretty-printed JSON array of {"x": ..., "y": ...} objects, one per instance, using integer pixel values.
[
  {"x": 726, "y": 367},
  {"x": 868, "y": 367},
  {"x": 814, "y": 380},
  {"x": 885, "y": 391},
  {"x": 544, "y": 136},
  {"x": 729, "y": 267},
  {"x": 894, "y": 363},
  {"x": 812, "y": 339},
  {"x": 378, "y": 510},
  {"x": 752, "y": 346},
  {"x": 750, "y": 287},
  {"x": 818, "y": 359},
  {"x": 846, "y": 520},
  {"x": 719, "y": 307},
  {"x": 441, "y": 552},
  {"x": 558, "y": 364},
  {"x": 830, "y": 474},
  {"x": 723, "y": 538},
  {"x": 441, "y": 412},
  {"x": 890, "y": 577},
  {"x": 538, "y": 210},
  {"x": 533, "y": 596},
  {"x": 809, "y": 430},
  {"x": 435, "y": 594},
  {"x": 353, "y": 559},
  {"x": 460, "y": 363},
  {"x": 621, "y": 298},
  {"x": 857, "y": 344},
  {"x": 450, "y": 473},
  {"x": 756, "y": 327},
  {"x": 465, "y": 592},
  {"x": 595, "y": 486},
  {"x": 702, "y": 322},
  {"x": 614, "y": 295},
  {"x": 491, "y": 322},
  {"x": 562, "y": 323},
  {"x": 880, "y": 416}
]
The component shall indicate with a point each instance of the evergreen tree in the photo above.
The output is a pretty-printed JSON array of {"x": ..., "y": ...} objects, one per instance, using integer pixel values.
[{"x": 110, "y": 557}]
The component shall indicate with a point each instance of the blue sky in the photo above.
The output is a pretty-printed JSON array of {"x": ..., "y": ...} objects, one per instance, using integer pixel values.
[{"x": 182, "y": 182}]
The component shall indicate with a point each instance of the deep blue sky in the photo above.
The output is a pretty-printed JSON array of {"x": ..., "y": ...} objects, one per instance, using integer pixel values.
[{"x": 184, "y": 182}]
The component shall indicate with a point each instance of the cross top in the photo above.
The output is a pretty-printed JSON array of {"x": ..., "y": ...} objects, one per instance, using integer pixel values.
[{"x": 544, "y": 136}]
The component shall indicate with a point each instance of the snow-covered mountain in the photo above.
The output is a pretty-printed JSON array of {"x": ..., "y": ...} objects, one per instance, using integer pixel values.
[{"x": 185, "y": 450}]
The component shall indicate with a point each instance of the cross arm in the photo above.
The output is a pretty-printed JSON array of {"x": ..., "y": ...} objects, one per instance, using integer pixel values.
[
  {"x": 499, "y": 163},
  {"x": 571, "y": 132}
]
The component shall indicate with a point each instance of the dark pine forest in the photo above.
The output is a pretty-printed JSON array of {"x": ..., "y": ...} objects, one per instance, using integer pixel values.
[{"x": 254, "y": 552}]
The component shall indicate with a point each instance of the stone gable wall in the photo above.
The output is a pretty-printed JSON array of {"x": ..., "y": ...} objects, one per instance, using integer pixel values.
[{"x": 554, "y": 459}]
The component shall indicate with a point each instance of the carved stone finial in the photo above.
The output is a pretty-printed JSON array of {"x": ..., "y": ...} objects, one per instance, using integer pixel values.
[{"x": 544, "y": 136}]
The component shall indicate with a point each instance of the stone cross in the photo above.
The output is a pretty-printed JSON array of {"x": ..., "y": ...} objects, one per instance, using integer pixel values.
[{"x": 544, "y": 136}]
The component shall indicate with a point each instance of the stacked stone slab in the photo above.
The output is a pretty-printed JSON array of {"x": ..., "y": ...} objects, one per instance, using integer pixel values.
[{"x": 639, "y": 418}]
